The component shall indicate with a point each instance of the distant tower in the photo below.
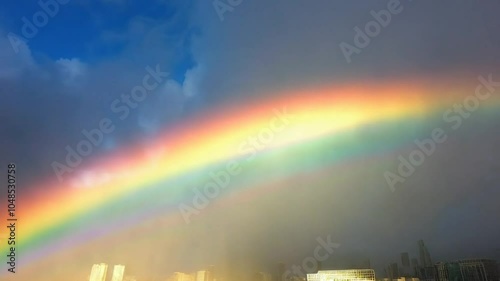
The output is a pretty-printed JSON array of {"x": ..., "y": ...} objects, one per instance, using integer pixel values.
[
  {"x": 415, "y": 267},
  {"x": 394, "y": 270},
  {"x": 421, "y": 251},
  {"x": 118, "y": 272},
  {"x": 428, "y": 260},
  {"x": 98, "y": 272},
  {"x": 281, "y": 272},
  {"x": 405, "y": 261},
  {"x": 211, "y": 273},
  {"x": 390, "y": 272},
  {"x": 425, "y": 257},
  {"x": 201, "y": 275}
]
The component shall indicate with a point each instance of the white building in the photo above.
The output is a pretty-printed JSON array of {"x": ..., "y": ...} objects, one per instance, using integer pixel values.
[
  {"x": 118, "y": 272},
  {"x": 98, "y": 272},
  {"x": 343, "y": 275},
  {"x": 201, "y": 275},
  {"x": 180, "y": 276}
]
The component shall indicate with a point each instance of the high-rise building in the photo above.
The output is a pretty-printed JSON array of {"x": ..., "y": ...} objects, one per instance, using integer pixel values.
[
  {"x": 394, "y": 269},
  {"x": 414, "y": 266},
  {"x": 118, "y": 272},
  {"x": 349, "y": 274},
  {"x": 425, "y": 257},
  {"x": 98, "y": 272},
  {"x": 180, "y": 276},
  {"x": 429, "y": 273},
  {"x": 426, "y": 270},
  {"x": 468, "y": 270},
  {"x": 405, "y": 261},
  {"x": 281, "y": 272},
  {"x": 448, "y": 271},
  {"x": 211, "y": 273},
  {"x": 479, "y": 270},
  {"x": 201, "y": 275}
]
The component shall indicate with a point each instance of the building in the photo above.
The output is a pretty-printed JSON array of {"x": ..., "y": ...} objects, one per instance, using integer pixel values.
[
  {"x": 405, "y": 261},
  {"x": 414, "y": 266},
  {"x": 479, "y": 270},
  {"x": 343, "y": 275},
  {"x": 211, "y": 273},
  {"x": 468, "y": 270},
  {"x": 392, "y": 271},
  {"x": 201, "y": 275},
  {"x": 441, "y": 272},
  {"x": 427, "y": 273},
  {"x": 426, "y": 270},
  {"x": 425, "y": 257},
  {"x": 448, "y": 271},
  {"x": 98, "y": 272},
  {"x": 180, "y": 276},
  {"x": 118, "y": 272}
]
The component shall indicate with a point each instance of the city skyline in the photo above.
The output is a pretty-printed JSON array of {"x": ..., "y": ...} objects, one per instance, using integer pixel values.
[{"x": 487, "y": 270}]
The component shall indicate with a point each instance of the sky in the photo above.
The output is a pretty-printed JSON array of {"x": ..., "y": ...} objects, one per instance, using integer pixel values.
[{"x": 214, "y": 71}]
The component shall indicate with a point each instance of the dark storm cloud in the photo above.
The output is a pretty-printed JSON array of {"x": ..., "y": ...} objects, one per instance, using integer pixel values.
[{"x": 282, "y": 44}]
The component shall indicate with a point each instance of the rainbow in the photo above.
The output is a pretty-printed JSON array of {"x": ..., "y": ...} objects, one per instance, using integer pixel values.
[{"x": 124, "y": 188}]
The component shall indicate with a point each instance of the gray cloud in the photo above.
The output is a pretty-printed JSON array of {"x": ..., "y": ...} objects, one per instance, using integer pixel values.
[{"x": 283, "y": 44}]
